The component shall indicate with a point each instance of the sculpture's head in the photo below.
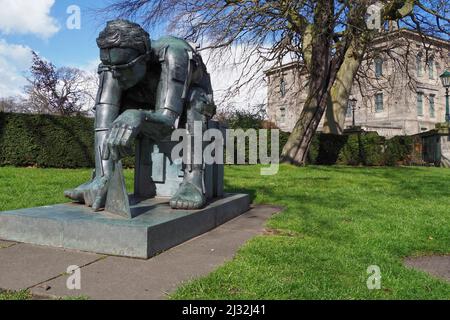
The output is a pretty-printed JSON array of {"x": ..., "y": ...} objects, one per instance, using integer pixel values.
[{"x": 124, "y": 50}]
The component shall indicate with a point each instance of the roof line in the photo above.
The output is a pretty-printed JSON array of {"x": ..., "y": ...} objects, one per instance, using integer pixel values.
[{"x": 402, "y": 31}]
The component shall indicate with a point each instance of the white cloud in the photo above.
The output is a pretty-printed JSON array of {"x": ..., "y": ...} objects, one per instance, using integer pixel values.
[
  {"x": 90, "y": 66},
  {"x": 226, "y": 68},
  {"x": 15, "y": 60},
  {"x": 224, "y": 72},
  {"x": 243, "y": 63},
  {"x": 28, "y": 17}
]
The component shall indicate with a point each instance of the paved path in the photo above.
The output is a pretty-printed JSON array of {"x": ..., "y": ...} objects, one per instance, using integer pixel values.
[
  {"x": 43, "y": 269},
  {"x": 438, "y": 266}
]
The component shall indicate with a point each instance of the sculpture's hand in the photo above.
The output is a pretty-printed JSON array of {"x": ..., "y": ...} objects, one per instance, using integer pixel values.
[
  {"x": 124, "y": 130},
  {"x": 128, "y": 125}
]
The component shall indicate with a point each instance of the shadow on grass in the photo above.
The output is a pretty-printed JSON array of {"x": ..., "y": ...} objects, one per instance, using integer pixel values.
[{"x": 332, "y": 201}]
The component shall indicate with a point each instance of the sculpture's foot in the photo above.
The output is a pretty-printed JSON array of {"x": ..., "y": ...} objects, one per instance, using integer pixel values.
[
  {"x": 92, "y": 193},
  {"x": 188, "y": 197}
]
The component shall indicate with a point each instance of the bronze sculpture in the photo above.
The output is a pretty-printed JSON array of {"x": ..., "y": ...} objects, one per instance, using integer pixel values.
[{"x": 145, "y": 88}]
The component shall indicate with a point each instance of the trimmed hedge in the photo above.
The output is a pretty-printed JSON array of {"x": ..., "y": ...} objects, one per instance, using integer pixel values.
[
  {"x": 399, "y": 151},
  {"x": 360, "y": 148},
  {"x": 247, "y": 120},
  {"x": 356, "y": 148},
  {"x": 68, "y": 142},
  {"x": 46, "y": 141},
  {"x": 363, "y": 149}
]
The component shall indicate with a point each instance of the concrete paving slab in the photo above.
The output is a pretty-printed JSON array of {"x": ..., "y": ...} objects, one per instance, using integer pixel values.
[
  {"x": 219, "y": 242},
  {"x": 23, "y": 266},
  {"x": 438, "y": 266},
  {"x": 155, "y": 227},
  {"x": 126, "y": 278}
]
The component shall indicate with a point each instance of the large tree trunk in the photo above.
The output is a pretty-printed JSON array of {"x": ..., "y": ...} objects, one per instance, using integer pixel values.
[
  {"x": 297, "y": 146},
  {"x": 342, "y": 87},
  {"x": 323, "y": 74},
  {"x": 316, "y": 44}
]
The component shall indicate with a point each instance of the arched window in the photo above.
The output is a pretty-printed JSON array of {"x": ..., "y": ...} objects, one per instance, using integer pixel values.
[
  {"x": 378, "y": 67},
  {"x": 419, "y": 65}
]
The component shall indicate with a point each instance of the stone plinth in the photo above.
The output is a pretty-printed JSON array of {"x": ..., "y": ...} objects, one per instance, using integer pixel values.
[{"x": 156, "y": 227}]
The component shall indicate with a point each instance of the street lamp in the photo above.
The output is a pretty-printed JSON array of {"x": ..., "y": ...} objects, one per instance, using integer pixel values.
[
  {"x": 445, "y": 78},
  {"x": 352, "y": 103}
]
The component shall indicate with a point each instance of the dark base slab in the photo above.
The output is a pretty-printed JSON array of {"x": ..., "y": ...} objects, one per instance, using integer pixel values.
[{"x": 156, "y": 228}]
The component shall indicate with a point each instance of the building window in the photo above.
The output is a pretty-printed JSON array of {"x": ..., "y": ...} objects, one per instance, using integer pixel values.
[
  {"x": 431, "y": 68},
  {"x": 420, "y": 103},
  {"x": 432, "y": 107},
  {"x": 283, "y": 88},
  {"x": 379, "y": 102},
  {"x": 419, "y": 65},
  {"x": 378, "y": 67}
]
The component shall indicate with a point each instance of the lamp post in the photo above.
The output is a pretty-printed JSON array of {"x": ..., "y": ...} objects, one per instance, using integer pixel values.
[
  {"x": 445, "y": 78},
  {"x": 352, "y": 103}
]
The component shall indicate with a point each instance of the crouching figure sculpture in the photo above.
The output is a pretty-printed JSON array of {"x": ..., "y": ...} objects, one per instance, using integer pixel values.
[{"x": 145, "y": 88}]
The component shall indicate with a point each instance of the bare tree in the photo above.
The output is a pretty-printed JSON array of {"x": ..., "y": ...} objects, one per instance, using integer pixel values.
[
  {"x": 434, "y": 21},
  {"x": 329, "y": 37},
  {"x": 11, "y": 104},
  {"x": 62, "y": 91}
]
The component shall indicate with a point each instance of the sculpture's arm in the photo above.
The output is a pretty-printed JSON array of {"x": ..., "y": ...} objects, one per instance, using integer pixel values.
[
  {"x": 129, "y": 125},
  {"x": 107, "y": 109},
  {"x": 172, "y": 91}
]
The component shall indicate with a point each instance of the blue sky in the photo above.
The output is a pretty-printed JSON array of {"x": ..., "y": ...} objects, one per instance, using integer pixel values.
[
  {"x": 75, "y": 47},
  {"x": 66, "y": 47},
  {"x": 41, "y": 25}
]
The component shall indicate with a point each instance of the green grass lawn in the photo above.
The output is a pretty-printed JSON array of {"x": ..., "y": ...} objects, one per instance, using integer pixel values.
[
  {"x": 337, "y": 221},
  {"x": 10, "y": 295}
]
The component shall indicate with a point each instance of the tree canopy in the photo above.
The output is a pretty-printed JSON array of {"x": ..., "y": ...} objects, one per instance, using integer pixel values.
[{"x": 329, "y": 37}]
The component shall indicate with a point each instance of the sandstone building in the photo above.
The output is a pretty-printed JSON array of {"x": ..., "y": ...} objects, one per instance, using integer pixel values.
[{"x": 398, "y": 89}]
